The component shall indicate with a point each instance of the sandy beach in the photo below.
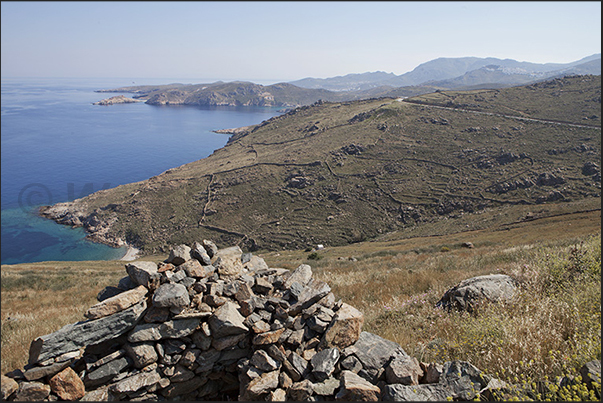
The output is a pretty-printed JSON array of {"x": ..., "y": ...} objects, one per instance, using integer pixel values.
[{"x": 131, "y": 254}]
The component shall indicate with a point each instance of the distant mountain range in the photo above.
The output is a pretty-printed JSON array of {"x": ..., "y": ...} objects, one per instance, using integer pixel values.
[
  {"x": 454, "y": 73},
  {"x": 440, "y": 74}
]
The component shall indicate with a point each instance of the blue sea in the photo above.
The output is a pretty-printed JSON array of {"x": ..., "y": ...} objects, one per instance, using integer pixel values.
[{"x": 57, "y": 146}]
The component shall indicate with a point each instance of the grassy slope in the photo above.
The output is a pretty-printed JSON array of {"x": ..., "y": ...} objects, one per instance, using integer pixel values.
[
  {"x": 419, "y": 165},
  {"x": 546, "y": 331}
]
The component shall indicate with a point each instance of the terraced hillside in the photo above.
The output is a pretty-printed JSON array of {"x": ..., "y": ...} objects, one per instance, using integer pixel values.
[{"x": 337, "y": 173}]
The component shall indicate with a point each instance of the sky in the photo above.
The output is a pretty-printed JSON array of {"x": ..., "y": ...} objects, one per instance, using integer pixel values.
[{"x": 268, "y": 42}]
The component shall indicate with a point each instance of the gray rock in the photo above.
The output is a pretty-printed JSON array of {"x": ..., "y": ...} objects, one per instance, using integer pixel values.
[
  {"x": 323, "y": 363},
  {"x": 300, "y": 365},
  {"x": 171, "y": 295},
  {"x": 36, "y": 373},
  {"x": 355, "y": 388},
  {"x": 106, "y": 372},
  {"x": 374, "y": 352},
  {"x": 32, "y": 392},
  {"x": 256, "y": 264},
  {"x": 182, "y": 388},
  {"x": 126, "y": 283},
  {"x": 108, "y": 292},
  {"x": 262, "y": 361},
  {"x": 403, "y": 369},
  {"x": 326, "y": 387},
  {"x": 142, "y": 354},
  {"x": 416, "y": 393},
  {"x": 228, "y": 263},
  {"x": 591, "y": 372},
  {"x": 301, "y": 391},
  {"x": 351, "y": 363},
  {"x": 207, "y": 359},
  {"x": 463, "y": 379},
  {"x": 259, "y": 386},
  {"x": 227, "y": 321},
  {"x": 8, "y": 387},
  {"x": 167, "y": 330},
  {"x": 143, "y": 273},
  {"x": 210, "y": 248},
  {"x": 198, "y": 252},
  {"x": 314, "y": 291},
  {"x": 302, "y": 275},
  {"x": 181, "y": 374},
  {"x": 465, "y": 295},
  {"x": 74, "y": 336},
  {"x": 179, "y": 254},
  {"x": 135, "y": 382}
]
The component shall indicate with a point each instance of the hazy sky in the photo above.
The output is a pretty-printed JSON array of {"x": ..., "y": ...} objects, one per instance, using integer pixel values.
[{"x": 283, "y": 41}]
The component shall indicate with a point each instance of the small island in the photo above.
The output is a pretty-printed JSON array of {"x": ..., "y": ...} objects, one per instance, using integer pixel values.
[{"x": 119, "y": 99}]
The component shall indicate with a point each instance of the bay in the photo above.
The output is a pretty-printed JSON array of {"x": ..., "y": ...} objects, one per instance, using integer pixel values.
[{"x": 56, "y": 146}]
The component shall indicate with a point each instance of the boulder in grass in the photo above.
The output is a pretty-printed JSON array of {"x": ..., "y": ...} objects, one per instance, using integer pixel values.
[
  {"x": 591, "y": 372},
  {"x": 416, "y": 393},
  {"x": 465, "y": 295}
]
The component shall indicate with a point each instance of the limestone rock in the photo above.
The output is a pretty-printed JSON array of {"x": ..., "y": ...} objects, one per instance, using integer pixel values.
[
  {"x": 301, "y": 391},
  {"x": 345, "y": 328},
  {"x": 323, "y": 363},
  {"x": 67, "y": 385},
  {"x": 8, "y": 387},
  {"x": 228, "y": 263},
  {"x": 117, "y": 303},
  {"x": 143, "y": 273},
  {"x": 171, "y": 295},
  {"x": 166, "y": 330},
  {"x": 74, "y": 336},
  {"x": 179, "y": 254},
  {"x": 301, "y": 275},
  {"x": 32, "y": 392},
  {"x": 227, "y": 321},
  {"x": 374, "y": 353},
  {"x": 261, "y": 385},
  {"x": 416, "y": 393},
  {"x": 142, "y": 354},
  {"x": 355, "y": 388},
  {"x": 36, "y": 373},
  {"x": 403, "y": 369},
  {"x": 465, "y": 295},
  {"x": 463, "y": 379},
  {"x": 200, "y": 254},
  {"x": 106, "y": 372},
  {"x": 135, "y": 382}
]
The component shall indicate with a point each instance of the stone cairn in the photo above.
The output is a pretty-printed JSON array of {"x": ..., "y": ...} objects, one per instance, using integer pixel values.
[{"x": 219, "y": 324}]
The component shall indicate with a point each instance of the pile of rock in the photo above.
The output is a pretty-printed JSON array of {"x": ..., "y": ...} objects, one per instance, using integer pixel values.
[{"x": 219, "y": 324}]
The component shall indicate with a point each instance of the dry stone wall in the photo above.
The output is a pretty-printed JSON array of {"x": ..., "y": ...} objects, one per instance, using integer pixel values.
[{"x": 219, "y": 324}]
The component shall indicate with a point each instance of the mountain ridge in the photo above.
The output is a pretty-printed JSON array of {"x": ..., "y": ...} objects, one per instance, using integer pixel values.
[{"x": 341, "y": 172}]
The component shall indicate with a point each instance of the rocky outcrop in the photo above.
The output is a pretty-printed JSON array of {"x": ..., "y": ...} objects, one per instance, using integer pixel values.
[
  {"x": 468, "y": 293},
  {"x": 220, "y": 324},
  {"x": 119, "y": 99}
]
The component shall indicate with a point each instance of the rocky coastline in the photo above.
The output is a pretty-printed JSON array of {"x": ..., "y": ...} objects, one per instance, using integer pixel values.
[{"x": 118, "y": 99}]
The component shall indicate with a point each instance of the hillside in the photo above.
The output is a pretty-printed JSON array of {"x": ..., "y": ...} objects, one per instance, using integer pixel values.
[
  {"x": 451, "y": 72},
  {"x": 236, "y": 93},
  {"x": 338, "y": 173}
]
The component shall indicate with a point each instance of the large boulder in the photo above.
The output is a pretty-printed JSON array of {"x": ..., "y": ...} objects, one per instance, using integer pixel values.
[
  {"x": 345, "y": 328},
  {"x": 465, "y": 295}
]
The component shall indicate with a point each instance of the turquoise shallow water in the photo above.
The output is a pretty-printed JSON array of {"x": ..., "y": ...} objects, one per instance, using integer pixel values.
[{"x": 57, "y": 146}]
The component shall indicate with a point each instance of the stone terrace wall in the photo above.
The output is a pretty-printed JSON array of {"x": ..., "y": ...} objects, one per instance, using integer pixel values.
[{"x": 219, "y": 324}]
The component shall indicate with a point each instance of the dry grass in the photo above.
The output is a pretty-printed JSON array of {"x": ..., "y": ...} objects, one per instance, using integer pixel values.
[
  {"x": 40, "y": 298},
  {"x": 550, "y": 329}
]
